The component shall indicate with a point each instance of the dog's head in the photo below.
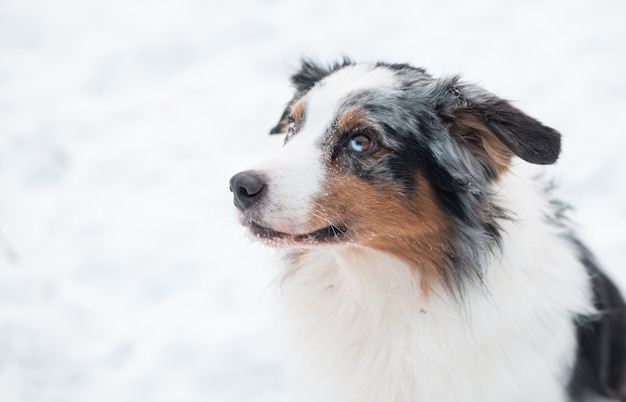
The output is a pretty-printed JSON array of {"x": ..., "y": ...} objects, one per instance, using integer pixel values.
[{"x": 388, "y": 157}]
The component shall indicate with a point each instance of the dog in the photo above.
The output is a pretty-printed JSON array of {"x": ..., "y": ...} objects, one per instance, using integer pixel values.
[{"x": 426, "y": 258}]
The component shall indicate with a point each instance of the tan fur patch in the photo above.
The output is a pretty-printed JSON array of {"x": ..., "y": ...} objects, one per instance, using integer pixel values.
[
  {"x": 381, "y": 217},
  {"x": 351, "y": 120},
  {"x": 483, "y": 142},
  {"x": 298, "y": 112}
]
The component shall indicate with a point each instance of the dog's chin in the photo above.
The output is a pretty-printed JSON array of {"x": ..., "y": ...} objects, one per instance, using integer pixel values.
[{"x": 326, "y": 235}]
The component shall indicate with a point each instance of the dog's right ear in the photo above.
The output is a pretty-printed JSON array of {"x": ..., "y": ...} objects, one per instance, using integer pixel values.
[{"x": 309, "y": 74}]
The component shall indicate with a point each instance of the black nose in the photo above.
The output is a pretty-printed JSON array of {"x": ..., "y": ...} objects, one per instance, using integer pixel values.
[{"x": 248, "y": 188}]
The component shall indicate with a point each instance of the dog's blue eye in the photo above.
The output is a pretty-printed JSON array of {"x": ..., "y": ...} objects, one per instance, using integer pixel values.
[{"x": 360, "y": 143}]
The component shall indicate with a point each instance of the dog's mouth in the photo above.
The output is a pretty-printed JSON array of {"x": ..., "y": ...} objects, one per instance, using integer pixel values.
[{"x": 331, "y": 233}]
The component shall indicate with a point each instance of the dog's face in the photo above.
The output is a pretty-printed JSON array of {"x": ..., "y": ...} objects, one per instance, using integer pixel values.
[{"x": 388, "y": 157}]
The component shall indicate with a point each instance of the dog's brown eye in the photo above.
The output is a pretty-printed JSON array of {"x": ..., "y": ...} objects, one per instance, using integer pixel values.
[{"x": 360, "y": 143}]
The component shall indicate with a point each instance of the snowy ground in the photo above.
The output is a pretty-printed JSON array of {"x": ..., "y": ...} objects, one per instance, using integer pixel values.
[{"x": 123, "y": 273}]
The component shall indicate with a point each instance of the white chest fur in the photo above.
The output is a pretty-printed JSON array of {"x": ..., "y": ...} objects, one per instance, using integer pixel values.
[{"x": 362, "y": 331}]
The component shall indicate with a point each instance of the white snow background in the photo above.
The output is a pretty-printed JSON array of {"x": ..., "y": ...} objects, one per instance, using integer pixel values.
[{"x": 124, "y": 275}]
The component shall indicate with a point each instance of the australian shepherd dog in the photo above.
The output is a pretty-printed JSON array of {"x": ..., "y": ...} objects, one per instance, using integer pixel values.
[{"x": 425, "y": 258}]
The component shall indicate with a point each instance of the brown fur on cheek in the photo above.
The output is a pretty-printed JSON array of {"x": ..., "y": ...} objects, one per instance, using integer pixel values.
[{"x": 413, "y": 228}]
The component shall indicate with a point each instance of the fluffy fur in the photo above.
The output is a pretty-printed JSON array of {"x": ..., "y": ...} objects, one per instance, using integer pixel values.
[{"x": 425, "y": 258}]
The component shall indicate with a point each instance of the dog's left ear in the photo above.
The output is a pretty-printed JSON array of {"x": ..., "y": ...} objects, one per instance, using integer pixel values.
[
  {"x": 494, "y": 128},
  {"x": 309, "y": 74}
]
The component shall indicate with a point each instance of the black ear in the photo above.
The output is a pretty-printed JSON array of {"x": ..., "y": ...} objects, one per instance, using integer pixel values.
[
  {"x": 523, "y": 135},
  {"x": 309, "y": 74}
]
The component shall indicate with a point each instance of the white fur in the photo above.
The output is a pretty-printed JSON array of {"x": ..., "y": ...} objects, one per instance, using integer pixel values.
[
  {"x": 324, "y": 99},
  {"x": 295, "y": 178},
  {"x": 362, "y": 330}
]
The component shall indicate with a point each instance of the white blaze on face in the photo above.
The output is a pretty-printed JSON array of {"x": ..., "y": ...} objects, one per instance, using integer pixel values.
[{"x": 297, "y": 172}]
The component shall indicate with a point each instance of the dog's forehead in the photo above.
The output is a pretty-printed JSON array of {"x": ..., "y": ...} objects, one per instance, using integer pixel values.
[
  {"x": 353, "y": 78},
  {"x": 327, "y": 98}
]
